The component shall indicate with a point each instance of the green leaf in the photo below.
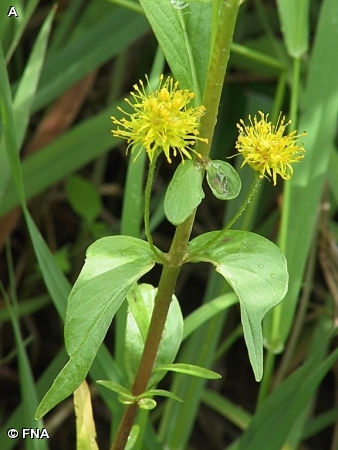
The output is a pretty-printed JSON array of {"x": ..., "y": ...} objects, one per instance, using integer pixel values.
[
  {"x": 190, "y": 369},
  {"x": 294, "y": 17},
  {"x": 83, "y": 197},
  {"x": 184, "y": 39},
  {"x": 141, "y": 302},
  {"x": 256, "y": 270},
  {"x": 184, "y": 192},
  {"x": 27, "y": 385},
  {"x": 25, "y": 94},
  {"x": 112, "y": 266},
  {"x": 120, "y": 28},
  {"x": 271, "y": 425},
  {"x": 115, "y": 387},
  {"x": 223, "y": 180},
  {"x": 227, "y": 409},
  {"x": 161, "y": 393}
]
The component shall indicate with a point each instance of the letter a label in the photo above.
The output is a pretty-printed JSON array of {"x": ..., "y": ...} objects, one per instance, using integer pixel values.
[{"x": 12, "y": 12}]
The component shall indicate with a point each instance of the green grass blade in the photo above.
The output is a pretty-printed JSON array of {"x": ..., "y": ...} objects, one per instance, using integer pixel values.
[
  {"x": 206, "y": 312},
  {"x": 333, "y": 173},
  {"x": 82, "y": 144},
  {"x": 26, "y": 90},
  {"x": 320, "y": 422},
  {"x": 27, "y": 307},
  {"x": 25, "y": 95},
  {"x": 129, "y": 4},
  {"x": 70, "y": 23},
  {"x": 294, "y": 17},
  {"x": 235, "y": 414},
  {"x": 18, "y": 24},
  {"x": 16, "y": 420},
  {"x": 272, "y": 423},
  {"x": 120, "y": 28},
  {"x": 303, "y": 192},
  {"x": 29, "y": 399}
]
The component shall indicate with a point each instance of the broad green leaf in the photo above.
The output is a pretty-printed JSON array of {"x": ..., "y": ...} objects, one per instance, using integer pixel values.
[
  {"x": 223, "y": 180},
  {"x": 112, "y": 266},
  {"x": 83, "y": 197},
  {"x": 184, "y": 192},
  {"x": 184, "y": 39},
  {"x": 140, "y": 300},
  {"x": 85, "y": 425},
  {"x": 256, "y": 270},
  {"x": 138, "y": 321},
  {"x": 115, "y": 387},
  {"x": 190, "y": 369},
  {"x": 294, "y": 17}
]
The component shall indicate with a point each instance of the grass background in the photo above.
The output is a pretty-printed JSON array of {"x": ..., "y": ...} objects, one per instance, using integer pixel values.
[{"x": 63, "y": 72}]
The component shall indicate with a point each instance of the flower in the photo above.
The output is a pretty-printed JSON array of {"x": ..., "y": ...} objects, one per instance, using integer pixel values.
[
  {"x": 266, "y": 150},
  {"x": 161, "y": 120}
]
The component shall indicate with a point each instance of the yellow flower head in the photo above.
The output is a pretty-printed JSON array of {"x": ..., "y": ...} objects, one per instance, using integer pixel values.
[
  {"x": 266, "y": 150},
  {"x": 161, "y": 120}
]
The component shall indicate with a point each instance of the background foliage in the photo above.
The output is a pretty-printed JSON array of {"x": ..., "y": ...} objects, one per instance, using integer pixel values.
[{"x": 63, "y": 72}]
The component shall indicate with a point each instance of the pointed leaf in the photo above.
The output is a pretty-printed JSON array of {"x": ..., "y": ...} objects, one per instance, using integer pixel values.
[
  {"x": 112, "y": 266},
  {"x": 190, "y": 369},
  {"x": 115, "y": 387},
  {"x": 184, "y": 39},
  {"x": 161, "y": 393},
  {"x": 256, "y": 270}
]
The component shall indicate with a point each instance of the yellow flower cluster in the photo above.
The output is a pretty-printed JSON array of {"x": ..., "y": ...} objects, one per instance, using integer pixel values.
[
  {"x": 266, "y": 150},
  {"x": 161, "y": 120}
]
